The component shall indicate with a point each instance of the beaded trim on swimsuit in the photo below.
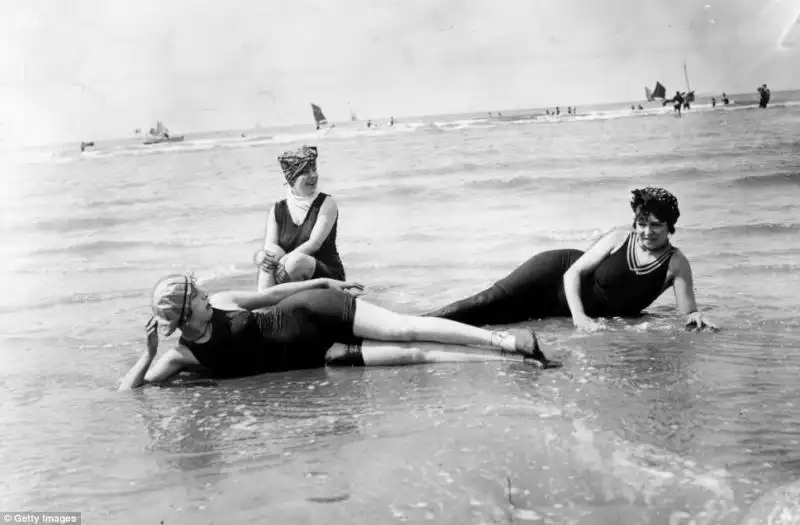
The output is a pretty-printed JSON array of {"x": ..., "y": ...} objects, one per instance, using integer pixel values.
[{"x": 647, "y": 268}]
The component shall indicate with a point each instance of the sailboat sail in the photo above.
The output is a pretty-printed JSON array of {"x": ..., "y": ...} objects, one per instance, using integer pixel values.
[
  {"x": 353, "y": 116},
  {"x": 319, "y": 116},
  {"x": 689, "y": 92},
  {"x": 659, "y": 91},
  {"x": 160, "y": 133}
]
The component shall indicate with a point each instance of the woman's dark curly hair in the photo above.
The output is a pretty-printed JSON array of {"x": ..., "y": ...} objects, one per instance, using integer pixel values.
[{"x": 658, "y": 201}]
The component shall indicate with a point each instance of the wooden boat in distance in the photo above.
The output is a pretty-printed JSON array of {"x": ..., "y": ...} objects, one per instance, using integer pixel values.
[{"x": 161, "y": 134}]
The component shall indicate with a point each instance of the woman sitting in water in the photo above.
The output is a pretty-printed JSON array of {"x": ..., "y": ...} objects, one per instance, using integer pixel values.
[
  {"x": 619, "y": 275},
  {"x": 303, "y": 325},
  {"x": 300, "y": 237}
]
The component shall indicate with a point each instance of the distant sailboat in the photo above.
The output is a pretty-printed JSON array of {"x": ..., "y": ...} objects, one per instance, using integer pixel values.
[
  {"x": 659, "y": 91},
  {"x": 319, "y": 116},
  {"x": 161, "y": 134}
]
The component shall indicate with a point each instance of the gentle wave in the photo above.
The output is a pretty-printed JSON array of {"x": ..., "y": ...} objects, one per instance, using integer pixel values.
[
  {"x": 67, "y": 224},
  {"x": 105, "y": 246},
  {"x": 766, "y": 228},
  {"x": 73, "y": 298},
  {"x": 123, "y": 201},
  {"x": 787, "y": 178}
]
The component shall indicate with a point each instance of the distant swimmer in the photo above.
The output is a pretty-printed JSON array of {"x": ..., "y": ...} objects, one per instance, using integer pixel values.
[
  {"x": 713, "y": 102},
  {"x": 369, "y": 123},
  {"x": 639, "y": 107},
  {"x": 620, "y": 275},
  {"x": 725, "y": 99},
  {"x": 764, "y": 93},
  {"x": 558, "y": 111},
  {"x": 303, "y": 325},
  {"x": 391, "y": 121},
  {"x": 633, "y": 108}
]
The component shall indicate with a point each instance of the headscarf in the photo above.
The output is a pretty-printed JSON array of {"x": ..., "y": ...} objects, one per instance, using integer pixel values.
[
  {"x": 294, "y": 162},
  {"x": 172, "y": 296},
  {"x": 664, "y": 200}
]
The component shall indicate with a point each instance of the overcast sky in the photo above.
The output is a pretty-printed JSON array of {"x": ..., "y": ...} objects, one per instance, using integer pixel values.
[{"x": 100, "y": 68}]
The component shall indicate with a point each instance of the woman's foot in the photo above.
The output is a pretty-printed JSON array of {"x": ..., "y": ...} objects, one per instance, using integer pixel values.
[
  {"x": 519, "y": 340},
  {"x": 525, "y": 342}
]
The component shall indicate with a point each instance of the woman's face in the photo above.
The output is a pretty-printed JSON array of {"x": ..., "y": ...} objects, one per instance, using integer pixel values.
[
  {"x": 651, "y": 232},
  {"x": 306, "y": 184},
  {"x": 200, "y": 308}
]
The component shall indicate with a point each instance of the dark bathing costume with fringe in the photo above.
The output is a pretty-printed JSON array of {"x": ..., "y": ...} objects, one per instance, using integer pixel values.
[
  {"x": 292, "y": 335},
  {"x": 619, "y": 286}
]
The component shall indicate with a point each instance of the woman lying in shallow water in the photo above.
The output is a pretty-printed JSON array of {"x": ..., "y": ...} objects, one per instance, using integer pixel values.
[
  {"x": 300, "y": 325},
  {"x": 619, "y": 275}
]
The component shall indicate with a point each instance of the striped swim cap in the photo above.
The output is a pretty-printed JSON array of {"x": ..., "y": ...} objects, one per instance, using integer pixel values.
[{"x": 171, "y": 300}]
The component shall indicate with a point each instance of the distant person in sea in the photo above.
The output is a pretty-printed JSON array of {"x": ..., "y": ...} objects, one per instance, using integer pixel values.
[
  {"x": 391, "y": 121},
  {"x": 725, "y": 99},
  {"x": 639, "y": 107},
  {"x": 713, "y": 102},
  {"x": 677, "y": 102},
  {"x": 764, "y": 95},
  {"x": 300, "y": 235},
  {"x": 621, "y": 274},
  {"x": 302, "y": 325}
]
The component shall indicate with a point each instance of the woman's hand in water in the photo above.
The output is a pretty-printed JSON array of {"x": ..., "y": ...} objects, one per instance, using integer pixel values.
[
  {"x": 354, "y": 289},
  {"x": 585, "y": 323},
  {"x": 152, "y": 336},
  {"x": 696, "y": 320}
]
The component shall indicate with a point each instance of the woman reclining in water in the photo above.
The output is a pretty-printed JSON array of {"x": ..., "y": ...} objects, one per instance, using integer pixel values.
[
  {"x": 300, "y": 325},
  {"x": 620, "y": 275}
]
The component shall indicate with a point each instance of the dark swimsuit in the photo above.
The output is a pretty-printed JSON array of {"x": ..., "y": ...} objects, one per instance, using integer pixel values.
[
  {"x": 291, "y": 235},
  {"x": 294, "y": 334},
  {"x": 535, "y": 290}
]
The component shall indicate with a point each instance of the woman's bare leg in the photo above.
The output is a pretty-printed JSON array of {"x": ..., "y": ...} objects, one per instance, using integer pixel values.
[
  {"x": 382, "y": 353},
  {"x": 298, "y": 267},
  {"x": 378, "y": 324}
]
